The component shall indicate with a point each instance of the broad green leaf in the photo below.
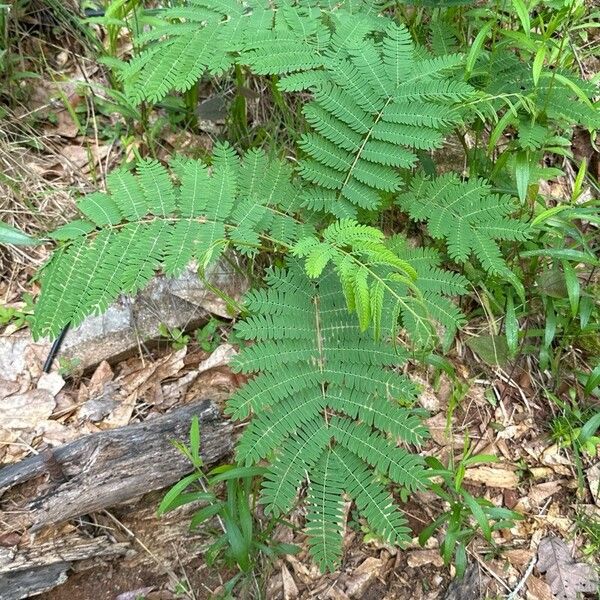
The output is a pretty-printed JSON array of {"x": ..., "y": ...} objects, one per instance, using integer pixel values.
[
  {"x": 239, "y": 548},
  {"x": 593, "y": 381},
  {"x": 573, "y": 287},
  {"x": 550, "y": 212},
  {"x": 174, "y": 492},
  {"x": 478, "y": 514},
  {"x": 206, "y": 513},
  {"x": 235, "y": 473},
  {"x": 578, "y": 184},
  {"x": 475, "y": 50},
  {"x": 460, "y": 561},
  {"x": 479, "y": 459},
  {"x": 195, "y": 442},
  {"x": 552, "y": 283},
  {"x": 563, "y": 254},
  {"x": 586, "y": 307},
  {"x": 590, "y": 427},
  {"x": 550, "y": 329},
  {"x": 538, "y": 63},
  {"x": 522, "y": 172},
  {"x": 492, "y": 349},
  {"x": 573, "y": 86}
]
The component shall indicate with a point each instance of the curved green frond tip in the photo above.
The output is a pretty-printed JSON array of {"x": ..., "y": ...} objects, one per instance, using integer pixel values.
[{"x": 468, "y": 216}]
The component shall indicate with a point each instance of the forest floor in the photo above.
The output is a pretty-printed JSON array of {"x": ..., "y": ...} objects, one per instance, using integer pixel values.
[{"x": 54, "y": 146}]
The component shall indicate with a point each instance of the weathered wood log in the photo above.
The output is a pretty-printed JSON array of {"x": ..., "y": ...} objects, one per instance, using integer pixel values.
[
  {"x": 39, "y": 568},
  {"x": 95, "y": 472},
  {"x": 114, "y": 466}
]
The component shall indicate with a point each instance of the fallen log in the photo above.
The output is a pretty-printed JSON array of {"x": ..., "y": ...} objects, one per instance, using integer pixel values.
[
  {"x": 114, "y": 466},
  {"x": 97, "y": 471}
]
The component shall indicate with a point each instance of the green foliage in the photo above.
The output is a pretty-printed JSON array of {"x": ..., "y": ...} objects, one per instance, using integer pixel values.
[
  {"x": 207, "y": 336},
  {"x": 178, "y": 338},
  {"x": 242, "y": 538},
  {"x": 14, "y": 236},
  {"x": 465, "y": 515},
  {"x": 467, "y": 216},
  {"x": 562, "y": 259},
  {"x": 325, "y": 409},
  {"x": 329, "y": 412},
  {"x": 375, "y": 105},
  {"x": 278, "y": 38},
  {"x": 145, "y": 222}
]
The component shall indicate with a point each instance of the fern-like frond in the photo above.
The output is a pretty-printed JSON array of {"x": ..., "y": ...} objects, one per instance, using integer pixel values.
[
  {"x": 502, "y": 72},
  {"x": 380, "y": 104},
  {"x": 177, "y": 53},
  {"x": 373, "y": 501},
  {"x": 467, "y": 215},
  {"x": 326, "y": 394},
  {"x": 146, "y": 222},
  {"x": 278, "y": 38},
  {"x": 325, "y": 518}
]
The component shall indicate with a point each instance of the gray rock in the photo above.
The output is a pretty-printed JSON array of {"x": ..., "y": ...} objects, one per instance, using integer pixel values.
[{"x": 184, "y": 302}]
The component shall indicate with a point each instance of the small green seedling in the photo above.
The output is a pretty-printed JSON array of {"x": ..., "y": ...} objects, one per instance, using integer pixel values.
[
  {"x": 466, "y": 516},
  {"x": 243, "y": 539},
  {"x": 179, "y": 339}
]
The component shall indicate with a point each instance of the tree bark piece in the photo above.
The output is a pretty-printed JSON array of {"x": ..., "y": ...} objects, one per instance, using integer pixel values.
[{"x": 114, "y": 466}]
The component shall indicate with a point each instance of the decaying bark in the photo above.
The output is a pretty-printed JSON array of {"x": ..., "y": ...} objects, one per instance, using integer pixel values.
[{"x": 93, "y": 473}]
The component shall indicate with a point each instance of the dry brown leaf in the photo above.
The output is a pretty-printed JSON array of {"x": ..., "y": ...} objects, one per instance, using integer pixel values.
[
  {"x": 65, "y": 126},
  {"x": 219, "y": 357},
  {"x": 593, "y": 478},
  {"x": 519, "y": 557},
  {"x": 55, "y": 433},
  {"x": 438, "y": 429},
  {"x": 555, "y": 517},
  {"x": 553, "y": 456},
  {"x": 134, "y": 594},
  {"x": 8, "y": 388},
  {"x": 102, "y": 375},
  {"x": 144, "y": 377},
  {"x": 82, "y": 157},
  {"x": 363, "y": 576},
  {"x": 538, "y": 589},
  {"x": 540, "y": 472},
  {"x": 540, "y": 492},
  {"x": 25, "y": 411},
  {"x": 52, "y": 382},
  {"x": 419, "y": 558},
  {"x": 18, "y": 355},
  {"x": 565, "y": 576},
  {"x": 428, "y": 399},
  {"x": 290, "y": 590},
  {"x": 493, "y": 477}
]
